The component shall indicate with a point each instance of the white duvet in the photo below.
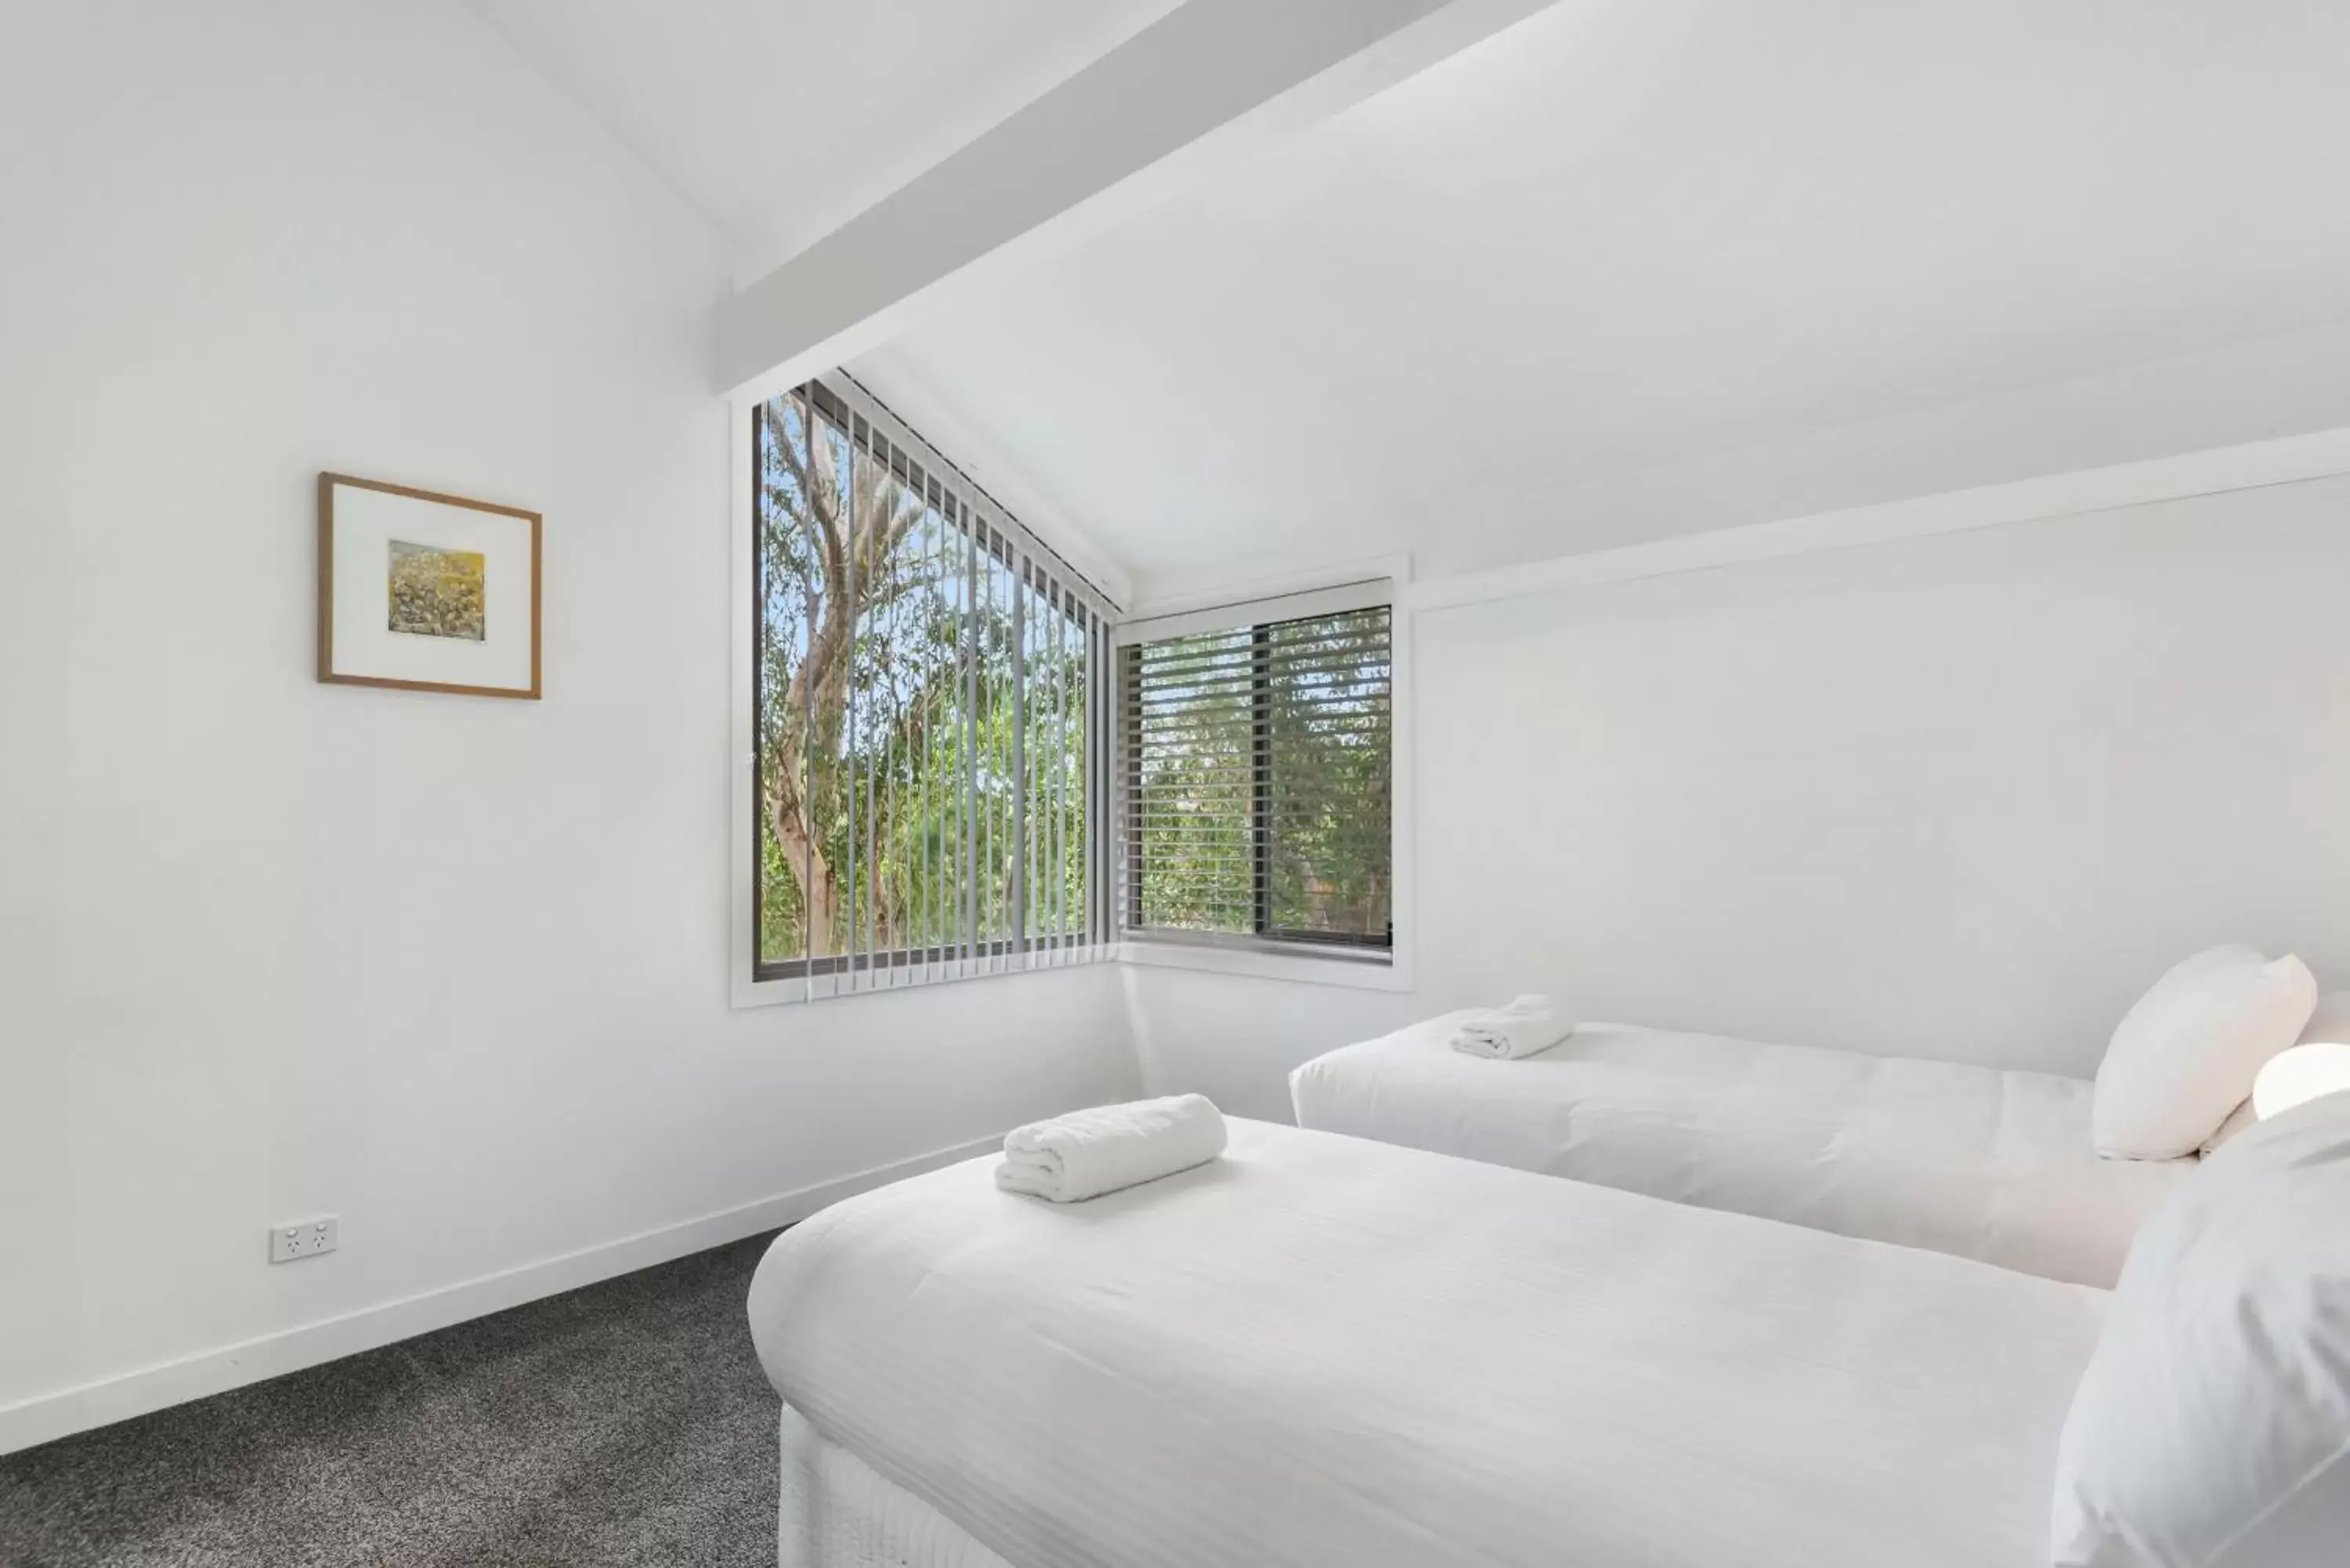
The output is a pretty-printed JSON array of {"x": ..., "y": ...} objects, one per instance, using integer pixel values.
[
  {"x": 1973, "y": 1160},
  {"x": 1321, "y": 1350}
]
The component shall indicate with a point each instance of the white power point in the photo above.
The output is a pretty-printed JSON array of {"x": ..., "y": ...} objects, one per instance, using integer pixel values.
[{"x": 303, "y": 1239}]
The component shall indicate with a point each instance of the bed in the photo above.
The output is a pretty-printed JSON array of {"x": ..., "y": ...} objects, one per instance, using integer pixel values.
[
  {"x": 1986, "y": 1164},
  {"x": 1321, "y": 1350}
]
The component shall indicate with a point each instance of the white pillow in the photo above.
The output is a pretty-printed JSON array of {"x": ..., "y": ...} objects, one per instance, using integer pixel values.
[
  {"x": 2187, "y": 1054},
  {"x": 2212, "y": 1426}
]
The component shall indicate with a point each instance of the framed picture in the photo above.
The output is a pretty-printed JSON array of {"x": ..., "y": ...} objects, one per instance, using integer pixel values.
[{"x": 426, "y": 592}]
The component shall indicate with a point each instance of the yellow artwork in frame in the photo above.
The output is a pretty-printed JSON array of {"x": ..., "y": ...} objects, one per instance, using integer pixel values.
[
  {"x": 424, "y": 591},
  {"x": 437, "y": 593}
]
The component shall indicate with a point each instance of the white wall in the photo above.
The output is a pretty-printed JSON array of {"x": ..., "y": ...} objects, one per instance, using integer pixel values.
[
  {"x": 1960, "y": 796},
  {"x": 453, "y": 968}
]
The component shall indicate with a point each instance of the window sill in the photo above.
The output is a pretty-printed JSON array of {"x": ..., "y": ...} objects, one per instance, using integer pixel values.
[
  {"x": 1301, "y": 968},
  {"x": 794, "y": 991}
]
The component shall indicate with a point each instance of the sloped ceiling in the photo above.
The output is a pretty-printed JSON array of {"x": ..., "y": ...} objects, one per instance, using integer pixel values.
[
  {"x": 1635, "y": 269},
  {"x": 1629, "y": 269},
  {"x": 782, "y": 119}
]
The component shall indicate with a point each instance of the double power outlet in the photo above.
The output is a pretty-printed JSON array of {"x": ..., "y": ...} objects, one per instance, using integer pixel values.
[{"x": 302, "y": 1238}]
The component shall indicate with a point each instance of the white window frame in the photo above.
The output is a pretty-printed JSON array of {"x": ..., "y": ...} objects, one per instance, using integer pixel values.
[{"x": 1278, "y": 599}]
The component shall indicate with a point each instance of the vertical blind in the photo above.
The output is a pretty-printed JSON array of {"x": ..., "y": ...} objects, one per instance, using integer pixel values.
[
  {"x": 928, "y": 682},
  {"x": 1255, "y": 767}
]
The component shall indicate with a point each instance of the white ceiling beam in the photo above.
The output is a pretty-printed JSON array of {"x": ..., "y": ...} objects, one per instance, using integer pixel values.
[{"x": 1212, "y": 82}]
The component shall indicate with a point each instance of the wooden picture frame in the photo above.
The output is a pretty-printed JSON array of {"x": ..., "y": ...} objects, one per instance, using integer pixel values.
[{"x": 440, "y": 595}]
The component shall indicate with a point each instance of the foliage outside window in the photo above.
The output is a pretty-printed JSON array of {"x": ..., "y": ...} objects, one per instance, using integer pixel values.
[
  {"x": 1257, "y": 778},
  {"x": 925, "y": 702}
]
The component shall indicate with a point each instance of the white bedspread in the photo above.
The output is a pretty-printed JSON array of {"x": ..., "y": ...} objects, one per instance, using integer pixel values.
[
  {"x": 1972, "y": 1160},
  {"x": 1318, "y": 1350}
]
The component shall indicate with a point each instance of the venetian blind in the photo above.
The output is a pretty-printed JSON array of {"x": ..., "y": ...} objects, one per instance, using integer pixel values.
[{"x": 1255, "y": 767}]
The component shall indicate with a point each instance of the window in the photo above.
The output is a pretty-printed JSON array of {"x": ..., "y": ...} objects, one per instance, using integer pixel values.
[
  {"x": 927, "y": 681},
  {"x": 1255, "y": 769}
]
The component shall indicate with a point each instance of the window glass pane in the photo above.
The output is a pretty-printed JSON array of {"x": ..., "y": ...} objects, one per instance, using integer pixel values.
[
  {"x": 1071, "y": 667},
  {"x": 829, "y": 785},
  {"x": 921, "y": 727},
  {"x": 1258, "y": 781},
  {"x": 1056, "y": 757},
  {"x": 900, "y": 657},
  {"x": 804, "y": 499},
  {"x": 1192, "y": 781},
  {"x": 1329, "y": 745},
  {"x": 998, "y": 783}
]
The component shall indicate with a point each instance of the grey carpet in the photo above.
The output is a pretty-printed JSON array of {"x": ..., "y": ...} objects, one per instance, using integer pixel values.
[{"x": 625, "y": 1423}]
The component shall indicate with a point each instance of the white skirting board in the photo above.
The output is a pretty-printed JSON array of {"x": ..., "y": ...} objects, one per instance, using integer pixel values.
[{"x": 46, "y": 1417}]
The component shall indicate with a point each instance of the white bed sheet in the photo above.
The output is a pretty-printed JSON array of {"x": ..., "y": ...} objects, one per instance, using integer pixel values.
[
  {"x": 1320, "y": 1350},
  {"x": 1972, "y": 1160},
  {"x": 836, "y": 1511}
]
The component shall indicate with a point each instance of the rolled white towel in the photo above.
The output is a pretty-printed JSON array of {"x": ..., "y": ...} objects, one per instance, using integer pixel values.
[
  {"x": 1527, "y": 1025},
  {"x": 1088, "y": 1153}
]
